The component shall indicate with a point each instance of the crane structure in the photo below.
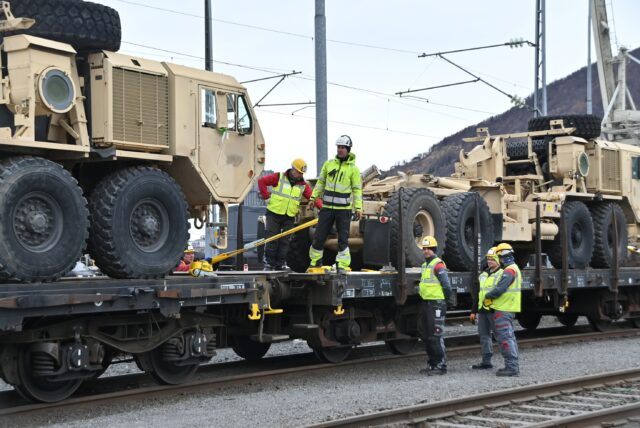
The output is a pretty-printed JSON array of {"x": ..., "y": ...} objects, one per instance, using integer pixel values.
[{"x": 621, "y": 119}]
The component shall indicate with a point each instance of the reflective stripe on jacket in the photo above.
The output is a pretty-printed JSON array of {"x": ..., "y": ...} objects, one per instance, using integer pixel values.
[
  {"x": 285, "y": 199},
  {"x": 487, "y": 281},
  {"x": 338, "y": 181},
  {"x": 430, "y": 288},
  {"x": 510, "y": 300}
]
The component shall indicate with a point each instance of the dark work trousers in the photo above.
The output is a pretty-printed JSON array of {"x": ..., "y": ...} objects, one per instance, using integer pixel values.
[
  {"x": 326, "y": 218},
  {"x": 275, "y": 252},
  {"x": 432, "y": 313},
  {"x": 486, "y": 326},
  {"x": 506, "y": 338}
]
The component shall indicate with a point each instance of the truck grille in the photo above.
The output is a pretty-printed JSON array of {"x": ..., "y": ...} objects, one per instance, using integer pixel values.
[
  {"x": 140, "y": 108},
  {"x": 610, "y": 164}
]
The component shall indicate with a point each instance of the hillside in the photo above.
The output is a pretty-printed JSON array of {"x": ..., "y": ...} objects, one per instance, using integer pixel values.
[{"x": 564, "y": 96}]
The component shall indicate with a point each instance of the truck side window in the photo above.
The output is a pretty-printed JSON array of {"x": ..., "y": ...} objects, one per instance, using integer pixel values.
[
  {"x": 245, "y": 124},
  {"x": 208, "y": 108},
  {"x": 635, "y": 167},
  {"x": 231, "y": 112}
]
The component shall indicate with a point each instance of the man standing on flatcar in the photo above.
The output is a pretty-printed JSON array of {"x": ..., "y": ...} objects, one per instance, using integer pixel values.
[
  {"x": 434, "y": 290},
  {"x": 505, "y": 300}
]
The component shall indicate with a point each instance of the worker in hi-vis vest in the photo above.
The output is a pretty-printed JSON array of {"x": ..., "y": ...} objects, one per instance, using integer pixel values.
[
  {"x": 484, "y": 316},
  {"x": 435, "y": 290},
  {"x": 287, "y": 188},
  {"x": 505, "y": 300},
  {"x": 340, "y": 186}
]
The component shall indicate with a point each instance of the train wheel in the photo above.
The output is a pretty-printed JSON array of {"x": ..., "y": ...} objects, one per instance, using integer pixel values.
[
  {"x": 635, "y": 322},
  {"x": 568, "y": 320},
  {"x": 529, "y": 321},
  {"x": 40, "y": 388},
  {"x": 249, "y": 349},
  {"x": 401, "y": 346},
  {"x": 333, "y": 354},
  {"x": 165, "y": 371},
  {"x": 599, "y": 324}
]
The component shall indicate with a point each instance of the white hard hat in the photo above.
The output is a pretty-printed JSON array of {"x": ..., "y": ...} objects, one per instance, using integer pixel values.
[{"x": 344, "y": 140}]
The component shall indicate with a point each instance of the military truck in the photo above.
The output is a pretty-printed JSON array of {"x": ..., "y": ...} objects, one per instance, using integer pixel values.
[
  {"x": 559, "y": 164},
  {"x": 113, "y": 149}
]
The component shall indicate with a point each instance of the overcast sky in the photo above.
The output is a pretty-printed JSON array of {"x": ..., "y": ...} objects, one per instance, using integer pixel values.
[{"x": 259, "y": 38}]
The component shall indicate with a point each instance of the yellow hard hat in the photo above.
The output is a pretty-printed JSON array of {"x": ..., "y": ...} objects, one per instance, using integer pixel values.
[
  {"x": 492, "y": 253},
  {"x": 299, "y": 165},
  {"x": 189, "y": 249},
  {"x": 503, "y": 249},
  {"x": 429, "y": 242}
]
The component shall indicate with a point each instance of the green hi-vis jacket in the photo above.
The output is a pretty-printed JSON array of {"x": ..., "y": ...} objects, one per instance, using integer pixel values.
[
  {"x": 338, "y": 181},
  {"x": 285, "y": 199}
]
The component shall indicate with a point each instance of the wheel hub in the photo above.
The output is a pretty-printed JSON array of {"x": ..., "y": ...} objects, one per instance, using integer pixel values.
[
  {"x": 37, "y": 222},
  {"x": 149, "y": 225}
]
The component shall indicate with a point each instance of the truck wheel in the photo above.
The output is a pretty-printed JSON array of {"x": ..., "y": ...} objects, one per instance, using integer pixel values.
[
  {"x": 86, "y": 26},
  {"x": 602, "y": 215},
  {"x": 579, "y": 239},
  {"x": 43, "y": 220},
  {"x": 139, "y": 226},
  {"x": 459, "y": 212},
  {"x": 587, "y": 125},
  {"x": 422, "y": 217}
]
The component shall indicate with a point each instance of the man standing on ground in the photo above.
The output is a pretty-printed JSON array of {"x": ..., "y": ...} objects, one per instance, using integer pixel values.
[
  {"x": 287, "y": 188},
  {"x": 505, "y": 300},
  {"x": 435, "y": 290},
  {"x": 338, "y": 182},
  {"x": 487, "y": 279}
]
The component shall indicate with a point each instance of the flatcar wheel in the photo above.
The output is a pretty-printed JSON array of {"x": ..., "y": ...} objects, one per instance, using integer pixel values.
[
  {"x": 568, "y": 320},
  {"x": 401, "y": 346},
  {"x": 163, "y": 371},
  {"x": 635, "y": 322},
  {"x": 40, "y": 388},
  {"x": 249, "y": 349},
  {"x": 333, "y": 354},
  {"x": 599, "y": 324},
  {"x": 528, "y": 321}
]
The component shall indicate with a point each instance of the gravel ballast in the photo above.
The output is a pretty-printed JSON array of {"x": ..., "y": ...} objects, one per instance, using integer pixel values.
[{"x": 300, "y": 400}]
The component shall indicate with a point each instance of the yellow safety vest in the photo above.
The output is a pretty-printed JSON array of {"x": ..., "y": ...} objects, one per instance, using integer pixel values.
[
  {"x": 285, "y": 198},
  {"x": 510, "y": 300},
  {"x": 430, "y": 288},
  {"x": 487, "y": 282},
  {"x": 337, "y": 182}
]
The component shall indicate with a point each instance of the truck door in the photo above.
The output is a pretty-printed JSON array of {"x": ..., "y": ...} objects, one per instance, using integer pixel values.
[{"x": 226, "y": 146}]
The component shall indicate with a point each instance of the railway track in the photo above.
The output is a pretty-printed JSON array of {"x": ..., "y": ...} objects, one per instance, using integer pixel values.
[
  {"x": 138, "y": 386},
  {"x": 609, "y": 398}
]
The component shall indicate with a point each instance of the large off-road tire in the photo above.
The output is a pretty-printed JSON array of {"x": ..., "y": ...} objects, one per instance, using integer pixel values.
[
  {"x": 579, "y": 237},
  {"x": 139, "y": 223},
  {"x": 602, "y": 215},
  {"x": 422, "y": 216},
  {"x": 86, "y": 26},
  {"x": 587, "y": 125},
  {"x": 459, "y": 212},
  {"x": 43, "y": 220}
]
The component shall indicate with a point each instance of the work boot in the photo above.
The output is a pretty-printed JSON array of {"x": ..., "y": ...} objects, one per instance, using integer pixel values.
[
  {"x": 285, "y": 268},
  {"x": 482, "y": 366},
  {"x": 507, "y": 372},
  {"x": 268, "y": 267},
  {"x": 434, "y": 371}
]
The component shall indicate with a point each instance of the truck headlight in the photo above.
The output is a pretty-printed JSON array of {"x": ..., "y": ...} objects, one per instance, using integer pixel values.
[
  {"x": 56, "y": 90},
  {"x": 583, "y": 164}
]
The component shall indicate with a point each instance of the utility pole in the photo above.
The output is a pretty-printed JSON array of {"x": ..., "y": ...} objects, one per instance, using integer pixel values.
[
  {"x": 321, "y": 84},
  {"x": 208, "y": 50},
  {"x": 540, "y": 72}
]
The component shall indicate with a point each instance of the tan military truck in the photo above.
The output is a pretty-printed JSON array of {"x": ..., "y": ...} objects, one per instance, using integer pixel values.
[
  {"x": 559, "y": 164},
  {"x": 118, "y": 150}
]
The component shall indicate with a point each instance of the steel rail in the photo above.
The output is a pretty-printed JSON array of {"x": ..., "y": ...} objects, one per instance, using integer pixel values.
[
  {"x": 433, "y": 413},
  {"x": 211, "y": 382}
]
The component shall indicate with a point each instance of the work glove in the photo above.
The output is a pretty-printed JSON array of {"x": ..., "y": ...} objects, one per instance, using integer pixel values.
[
  {"x": 473, "y": 317},
  {"x": 266, "y": 197},
  {"x": 487, "y": 303},
  {"x": 357, "y": 215}
]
